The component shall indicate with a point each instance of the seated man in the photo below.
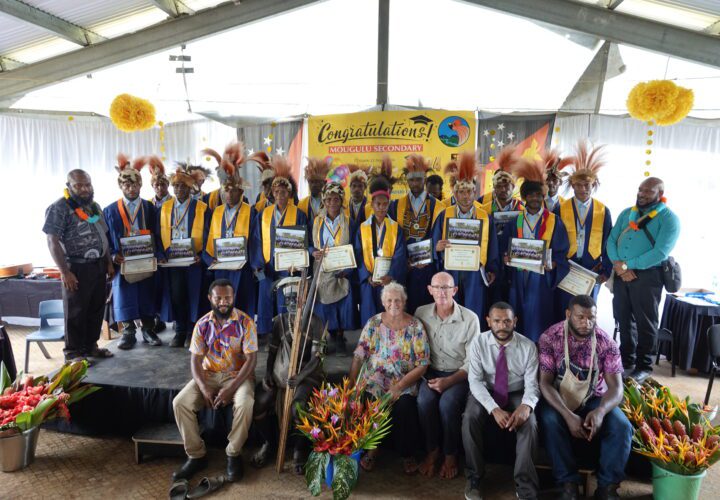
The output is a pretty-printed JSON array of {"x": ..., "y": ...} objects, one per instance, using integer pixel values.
[
  {"x": 272, "y": 388},
  {"x": 224, "y": 351},
  {"x": 583, "y": 403},
  {"x": 503, "y": 383},
  {"x": 451, "y": 329}
]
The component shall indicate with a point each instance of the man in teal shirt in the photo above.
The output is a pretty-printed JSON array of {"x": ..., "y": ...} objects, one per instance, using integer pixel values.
[{"x": 642, "y": 238}]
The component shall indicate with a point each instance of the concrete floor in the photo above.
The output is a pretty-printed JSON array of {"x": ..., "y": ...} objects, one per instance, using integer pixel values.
[{"x": 69, "y": 466}]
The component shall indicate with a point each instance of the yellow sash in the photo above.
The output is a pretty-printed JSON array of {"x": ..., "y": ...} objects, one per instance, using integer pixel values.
[
  {"x": 567, "y": 214},
  {"x": 242, "y": 226},
  {"x": 389, "y": 241},
  {"x": 266, "y": 221},
  {"x": 260, "y": 203},
  {"x": 196, "y": 233},
  {"x": 304, "y": 205},
  {"x": 214, "y": 199},
  {"x": 367, "y": 208},
  {"x": 450, "y": 213}
]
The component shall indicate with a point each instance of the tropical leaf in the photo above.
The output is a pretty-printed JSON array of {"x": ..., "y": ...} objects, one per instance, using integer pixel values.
[
  {"x": 5, "y": 381},
  {"x": 344, "y": 476},
  {"x": 315, "y": 471}
]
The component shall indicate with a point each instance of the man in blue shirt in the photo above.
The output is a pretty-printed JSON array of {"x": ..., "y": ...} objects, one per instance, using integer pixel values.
[{"x": 642, "y": 238}]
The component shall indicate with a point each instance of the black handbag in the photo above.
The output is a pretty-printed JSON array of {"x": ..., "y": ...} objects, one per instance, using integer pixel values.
[{"x": 671, "y": 272}]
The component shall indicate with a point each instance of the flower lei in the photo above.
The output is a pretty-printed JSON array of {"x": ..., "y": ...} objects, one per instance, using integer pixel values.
[
  {"x": 79, "y": 211},
  {"x": 635, "y": 214}
]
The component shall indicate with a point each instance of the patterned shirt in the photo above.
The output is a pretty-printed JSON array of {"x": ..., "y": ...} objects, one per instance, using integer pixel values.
[
  {"x": 389, "y": 355},
  {"x": 552, "y": 355},
  {"x": 224, "y": 348},
  {"x": 79, "y": 238}
]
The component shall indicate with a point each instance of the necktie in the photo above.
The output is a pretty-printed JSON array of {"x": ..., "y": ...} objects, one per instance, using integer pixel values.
[{"x": 500, "y": 388}]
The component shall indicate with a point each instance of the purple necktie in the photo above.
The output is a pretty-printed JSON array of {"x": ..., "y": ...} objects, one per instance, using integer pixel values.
[{"x": 500, "y": 388}]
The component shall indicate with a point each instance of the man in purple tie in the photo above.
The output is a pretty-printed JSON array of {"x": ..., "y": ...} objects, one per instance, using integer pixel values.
[{"x": 503, "y": 383}]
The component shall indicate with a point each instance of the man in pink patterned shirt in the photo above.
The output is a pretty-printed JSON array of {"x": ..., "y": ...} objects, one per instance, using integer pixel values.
[{"x": 581, "y": 403}]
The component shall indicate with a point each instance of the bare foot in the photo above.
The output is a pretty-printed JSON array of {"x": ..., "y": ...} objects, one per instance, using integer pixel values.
[
  {"x": 449, "y": 469},
  {"x": 367, "y": 462},
  {"x": 428, "y": 466},
  {"x": 410, "y": 466}
]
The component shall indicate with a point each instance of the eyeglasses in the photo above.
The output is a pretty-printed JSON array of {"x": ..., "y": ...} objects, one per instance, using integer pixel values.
[{"x": 442, "y": 288}]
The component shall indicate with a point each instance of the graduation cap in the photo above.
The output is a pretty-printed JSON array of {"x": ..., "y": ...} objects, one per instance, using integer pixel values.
[{"x": 420, "y": 119}]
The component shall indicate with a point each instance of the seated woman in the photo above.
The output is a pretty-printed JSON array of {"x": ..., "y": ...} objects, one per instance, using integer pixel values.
[{"x": 395, "y": 351}]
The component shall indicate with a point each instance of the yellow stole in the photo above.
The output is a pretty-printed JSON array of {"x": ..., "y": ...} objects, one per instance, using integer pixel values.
[
  {"x": 214, "y": 199},
  {"x": 567, "y": 214},
  {"x": 304, "y": 205},
  {"x": 389, "y": 241},
  {"x": 368, "y": 209},
  {"x": 451, "y": 212},
  {"x": 196, "y": 233},
  {"x": 267, "y": 216},
  {"x": 242, "y": 226}
]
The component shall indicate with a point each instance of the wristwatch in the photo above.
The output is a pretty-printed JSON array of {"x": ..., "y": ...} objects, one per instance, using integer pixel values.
[{"x": 624, "y": 267}]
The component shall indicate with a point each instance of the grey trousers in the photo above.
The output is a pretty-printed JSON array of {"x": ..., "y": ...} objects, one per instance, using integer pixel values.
[{"x": 473, "y": 423}]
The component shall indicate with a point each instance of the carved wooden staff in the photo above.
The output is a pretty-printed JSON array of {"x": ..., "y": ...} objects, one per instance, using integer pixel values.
[{"x": 302, "y": 317}]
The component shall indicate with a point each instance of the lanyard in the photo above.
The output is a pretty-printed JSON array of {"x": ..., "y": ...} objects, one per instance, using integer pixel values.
[
  {"x": 179, "y": 219},
  {"x": 335, "y": 235},
  {"x": 230, "y": 225}
]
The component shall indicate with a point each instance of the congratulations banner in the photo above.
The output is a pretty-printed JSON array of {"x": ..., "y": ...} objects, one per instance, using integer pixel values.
[{"x": 364, "y": 138}]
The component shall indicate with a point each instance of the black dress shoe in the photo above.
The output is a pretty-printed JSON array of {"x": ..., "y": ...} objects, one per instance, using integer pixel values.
[
  {"x": 340, "y": 346},
  {"x": 150, "y": 338},
  {"x": 640, "y": 375},
  {"x": 159, "y": 326},
  {"x": 571, "y": 491},
  {"x": 190, "y": 468},
  {"x": 608, "y": 492},
  {"x": 235, "y": 469},
  {"x": 127, "y": 341},
  {"x": 178, "y": 340}
]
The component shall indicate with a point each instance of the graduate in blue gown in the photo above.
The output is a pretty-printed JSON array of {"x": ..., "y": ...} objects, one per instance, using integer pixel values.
[
  {"x": 533, "y": 294},
  {"x": 588, "y": 222},
  {"x": 378, "y": 237},
  {"x": 233, "y": 220},
  {"x": 335, "y": 302},
  {"x": 358, "y": 207},
  {"x": 472, "y": 290},
  {"x": 262, "y": 246},
  {"x": 133, "y": 295},
  {"x": 181, "y": 218},
  {"x": 416, "y": 212}
]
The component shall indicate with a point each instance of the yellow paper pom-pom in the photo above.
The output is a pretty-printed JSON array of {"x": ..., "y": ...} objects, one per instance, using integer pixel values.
[
  {"x": 649, "y": 142},
  {"x": 492, "y": 159},
  {"x": 647, "y": 174},
  {"x": 71, "y": 118},
  {"x": 492, "y": 146},
  {"x": 492, "y": 132},
  {"x": 130, "y": 113},
  {"x": 660, "y": 101},
  {"x": 161, "y": 123},
  {"x": 648, "y": 151}
]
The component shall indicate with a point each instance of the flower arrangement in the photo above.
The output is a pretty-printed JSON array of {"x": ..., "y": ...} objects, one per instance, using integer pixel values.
[
  {"x": 28, "y": 402},
  {"x": 130, "y": 113},
  {"x": 660, "y": 100},
  {"x": 673, "y": 433},
  {"x": 341, "y": 421}
]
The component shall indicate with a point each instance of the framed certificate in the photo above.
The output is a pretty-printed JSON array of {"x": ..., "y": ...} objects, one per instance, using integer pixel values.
[
  {"x": 287, "y": 259},
  {"x": 180, "y": 253},
  {"x": 339, "y": 258},
  {"x": 527, "y": 254},
  {"x": 381, "y": 268},
  {"x": 231, "y": 249},
  {"x": 291, "y": 238},
  {"x": 420, "y": 253},
  {"x": 228, "y": 265},
  {"x": 579, "y": 281},
  {"x": 462, "y": 258},
  {"x": 502, "y": 218},
  {"x": 464, "y": 231},
  {"x": 135, "y": 270},
  {"x": 137, "y": 247}
]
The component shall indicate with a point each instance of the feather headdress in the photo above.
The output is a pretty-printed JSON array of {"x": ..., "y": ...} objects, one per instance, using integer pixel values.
[
  {"x": 416, "y": 166},
  {"x": 333, "y": 188},
  {"x": 262, "y": 162},
  {"x": 451, "y": 171},
  {"x": 283, "y": 172},
  {"x": 128, "y": 171},
  {"x": 586, "y": 163},
  {"x": 534, "y": 174},
  {"x": 468, "y": 169},
  {"x": 505, "y": 160},
  {"x": 358, "y": 173},
  {"x": 317, "y": 169},
  {"x": 554, "y": 164},
  {"x": 384, "y": 171},
  {"x": 157, "y": 169},
  {"x": 181, "y": 175},
  {"x": 198, "y": 172}
]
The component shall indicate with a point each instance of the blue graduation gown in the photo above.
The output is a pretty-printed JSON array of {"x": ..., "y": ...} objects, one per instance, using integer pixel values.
[
  {"x": 267, "y": 308},
  {"x": 472, "y": 292},
  {"x": 370, "y": 303},
  {"x": 601, "y": 265},
  {"x": 532, "y": 294},
  {"x": 417, "y": 279},
  {"x": 130, "y": 301},
  {"x": 340, "y": 315},
  {"x": 194, "y": 271},
  {"x": 243, "y": 281}
]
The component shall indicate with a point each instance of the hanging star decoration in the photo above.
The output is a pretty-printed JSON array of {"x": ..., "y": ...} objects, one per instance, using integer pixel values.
[
  {"x": 500, "y": 144},
  {"x": 280, "y": 151},
  {"x": 486, "y": 133},
  {"x": 250, "y": 151},
  {"x": 267, "y": 141},
  {"x": 511, "y": 136},
  {"x": 501, "y": 126}
]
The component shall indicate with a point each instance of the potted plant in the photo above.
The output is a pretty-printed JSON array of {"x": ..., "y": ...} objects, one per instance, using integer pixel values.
[
  {"x": 675, "y": 435},
  {"x": 28, "y": 402},
  {"x": 341, "y": 421}
]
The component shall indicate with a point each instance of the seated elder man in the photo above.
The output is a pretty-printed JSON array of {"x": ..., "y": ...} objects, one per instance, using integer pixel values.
[
  {"x": 450, "y": 329},
  {"x": 582, "y": 403},
  {"x": 224, "y": 350},
  {"x": 503, "y": 383}
]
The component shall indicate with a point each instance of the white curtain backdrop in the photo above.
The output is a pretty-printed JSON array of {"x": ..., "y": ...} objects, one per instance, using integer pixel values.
[{"x": 38, "y": 151}]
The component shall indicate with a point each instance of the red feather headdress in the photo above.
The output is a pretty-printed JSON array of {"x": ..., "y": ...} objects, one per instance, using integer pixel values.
[
  {"x": 317, "y": 168},
  {"x": 358, "y": 173},
  {"x": 554, "y": 164},
  {"x": 416, "y": 165},
  {"x": 468, "y": 169},
  {"x": 127, "y": 171},
  {"x": 283, "y": 172},
  {"x": 505, "y": 160},
  {"x": 156, "y": 168},
  {"x": 586, "y": 163}
]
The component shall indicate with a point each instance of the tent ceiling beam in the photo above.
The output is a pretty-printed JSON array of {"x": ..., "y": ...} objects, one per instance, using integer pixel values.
[
  {"x": 172, "y": 8},
  {"x": 47, "y": 21},
  {"x": 616, "y": 27},
  {"x": 156, "y": 38},
  {"x": 382, "y": 55}
]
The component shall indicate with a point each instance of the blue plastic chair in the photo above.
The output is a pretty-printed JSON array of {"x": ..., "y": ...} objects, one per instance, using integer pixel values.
[{"x": 49, "y": 309}]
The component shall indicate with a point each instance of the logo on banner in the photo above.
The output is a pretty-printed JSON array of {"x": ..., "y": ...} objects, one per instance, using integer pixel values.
[{"x": 454, "y": 131}]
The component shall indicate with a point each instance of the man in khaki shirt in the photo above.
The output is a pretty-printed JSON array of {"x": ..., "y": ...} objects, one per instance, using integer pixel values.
[{"x": 443, "y": 391}]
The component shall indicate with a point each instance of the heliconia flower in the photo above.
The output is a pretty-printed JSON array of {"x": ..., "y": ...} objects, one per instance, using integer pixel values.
[
  {"x": 315, "y": 432},
  {"x": 333, "y": 392}
]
